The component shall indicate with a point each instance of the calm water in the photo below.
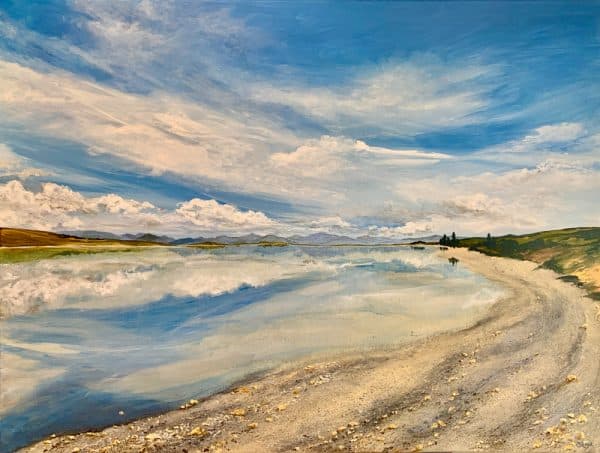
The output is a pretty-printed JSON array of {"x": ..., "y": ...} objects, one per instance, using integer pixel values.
[{"x": 142, "y": 332}]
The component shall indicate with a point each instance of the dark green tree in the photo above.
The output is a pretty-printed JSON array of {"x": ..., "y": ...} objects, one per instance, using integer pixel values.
[{"x": 454, "y": 241}]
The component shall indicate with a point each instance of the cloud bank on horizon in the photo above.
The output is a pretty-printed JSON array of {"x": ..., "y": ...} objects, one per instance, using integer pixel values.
[{"x": 388, "y": 119}]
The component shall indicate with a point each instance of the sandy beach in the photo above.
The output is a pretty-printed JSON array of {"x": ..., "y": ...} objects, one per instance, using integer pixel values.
[{"x": 526, "y": 376}]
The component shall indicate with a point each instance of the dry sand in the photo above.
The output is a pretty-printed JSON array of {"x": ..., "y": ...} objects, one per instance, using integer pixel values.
[{"x": 525, "y": 377}]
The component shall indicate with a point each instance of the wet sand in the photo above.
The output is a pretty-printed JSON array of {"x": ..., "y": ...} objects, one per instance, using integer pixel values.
[{"x": 527, "y": 376}]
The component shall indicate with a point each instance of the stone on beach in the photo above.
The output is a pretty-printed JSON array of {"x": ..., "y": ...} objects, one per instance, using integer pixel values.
[{"x": 198, "y": 431}]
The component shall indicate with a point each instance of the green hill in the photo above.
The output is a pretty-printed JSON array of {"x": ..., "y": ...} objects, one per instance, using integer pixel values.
[{"x": 571, "y": 251}]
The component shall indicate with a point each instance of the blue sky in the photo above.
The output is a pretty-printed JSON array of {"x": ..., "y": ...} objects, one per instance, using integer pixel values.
[{"x": 384, "y": 118}]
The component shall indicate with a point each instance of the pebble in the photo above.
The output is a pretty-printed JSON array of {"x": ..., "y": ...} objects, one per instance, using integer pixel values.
[
  {"x": 198, "y": 431},
  {"x": 239, "y": 412},
  {"x": 242, "y": 390},
  {"x": 152, "y": 437},
  {"x": 571, "y": 378}
]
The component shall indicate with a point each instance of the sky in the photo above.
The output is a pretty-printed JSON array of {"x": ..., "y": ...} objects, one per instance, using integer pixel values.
[{"x": 392, "y": 119}]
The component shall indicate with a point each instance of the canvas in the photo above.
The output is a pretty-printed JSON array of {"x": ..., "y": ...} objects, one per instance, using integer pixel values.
[{"x": 299, "y": 226}]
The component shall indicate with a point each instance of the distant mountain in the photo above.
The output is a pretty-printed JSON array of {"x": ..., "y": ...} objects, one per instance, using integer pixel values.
[
  {"x": 322, "y": 239},
  {"x": 92, "y": 234},
  {"x": 185, "y": 241},
  {"x": 143, "y": 237},
  {"x": 234, "y": 240},
  {"x": 147, "y": 237},
  {"x": 311, "y": 239}
]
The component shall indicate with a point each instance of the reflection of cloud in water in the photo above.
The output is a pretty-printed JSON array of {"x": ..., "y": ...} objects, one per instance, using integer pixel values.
[
  {"x": 20, "y": 378},
  {"x": 348, "y": 313},
  {"x": 167, "y": 325},
  {"x": 105, "y": 281}
]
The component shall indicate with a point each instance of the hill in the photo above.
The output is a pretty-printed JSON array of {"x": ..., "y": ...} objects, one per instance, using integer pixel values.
[
  {"x": 571, "y": 251},
  {"x": 18, "y": 245},
  {"x": 18, "y": 237}
]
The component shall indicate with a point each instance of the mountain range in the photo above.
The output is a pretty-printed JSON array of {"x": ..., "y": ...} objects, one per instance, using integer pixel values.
[{"x": 311, "y": 239}]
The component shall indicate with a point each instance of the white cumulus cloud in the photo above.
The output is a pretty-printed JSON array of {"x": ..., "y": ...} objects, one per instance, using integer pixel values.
[
  {"x": 57, "y": 207},
  {"x": 210, "y": 215}
]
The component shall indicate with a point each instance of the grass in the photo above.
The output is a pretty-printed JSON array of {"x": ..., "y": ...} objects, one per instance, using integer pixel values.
[
  {"x": 273, "y": 244},
  {"x": 18, "y": 245},
  {"x": 207, "y": 245},
  {"x": 21, "y": 254},
  {"x": 571, "y": 251}
]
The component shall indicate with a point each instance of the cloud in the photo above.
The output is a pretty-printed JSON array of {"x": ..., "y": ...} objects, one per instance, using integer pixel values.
[
  {"x": 13, "y": 165},
  {"x": 57, "y": 207},
  {"x": 164, "y": 133},
  {"x": 161, "y": 132},
  {"x": 209, "y": 215},
  {"x": 555, "y": 193},
  {"x": 130, "y": 40},
  {"x": 539, "y": 143},
  {"x": 334, "y": 155},
  {"x": 401, "y": 98},
  {"x": 547, "y": 138},
  {"x": 556, "y": 133}
]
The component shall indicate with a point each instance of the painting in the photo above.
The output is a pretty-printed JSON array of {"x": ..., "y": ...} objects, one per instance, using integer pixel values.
[{"x": 299, "y": 226}]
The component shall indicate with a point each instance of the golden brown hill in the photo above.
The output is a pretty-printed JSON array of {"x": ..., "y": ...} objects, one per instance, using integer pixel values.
[{"x": 18, "y": 237}]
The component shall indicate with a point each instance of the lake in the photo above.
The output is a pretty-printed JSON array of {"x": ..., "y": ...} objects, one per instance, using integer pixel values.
[{"x": 94, "y": 340}]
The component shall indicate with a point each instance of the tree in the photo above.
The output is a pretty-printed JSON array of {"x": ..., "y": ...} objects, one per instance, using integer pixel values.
[
  {"x": 454, "y": 241},
  {"x": 444, "y": 240}
]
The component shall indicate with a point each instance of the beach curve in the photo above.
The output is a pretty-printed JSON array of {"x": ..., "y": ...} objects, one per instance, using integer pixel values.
[{"x": 526, "y": 376}]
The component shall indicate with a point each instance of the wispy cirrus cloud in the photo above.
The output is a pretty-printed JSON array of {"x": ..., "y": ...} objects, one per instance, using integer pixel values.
[
  {"x": 403, "y": 98},
  {"x": 13, "y": 165},
  {"x": 160, "y": 132}
]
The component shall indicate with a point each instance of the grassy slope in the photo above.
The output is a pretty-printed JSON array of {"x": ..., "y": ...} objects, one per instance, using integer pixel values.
[
  {"x": 18, "y": 245},
  {"x": 572, "y": 251}
]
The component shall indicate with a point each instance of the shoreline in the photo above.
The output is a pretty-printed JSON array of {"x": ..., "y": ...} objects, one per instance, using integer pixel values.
[{"x": 499, "y": 384}]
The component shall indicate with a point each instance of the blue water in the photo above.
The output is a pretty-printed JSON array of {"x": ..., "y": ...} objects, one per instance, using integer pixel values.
[{"x": 142, "y": 332}]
